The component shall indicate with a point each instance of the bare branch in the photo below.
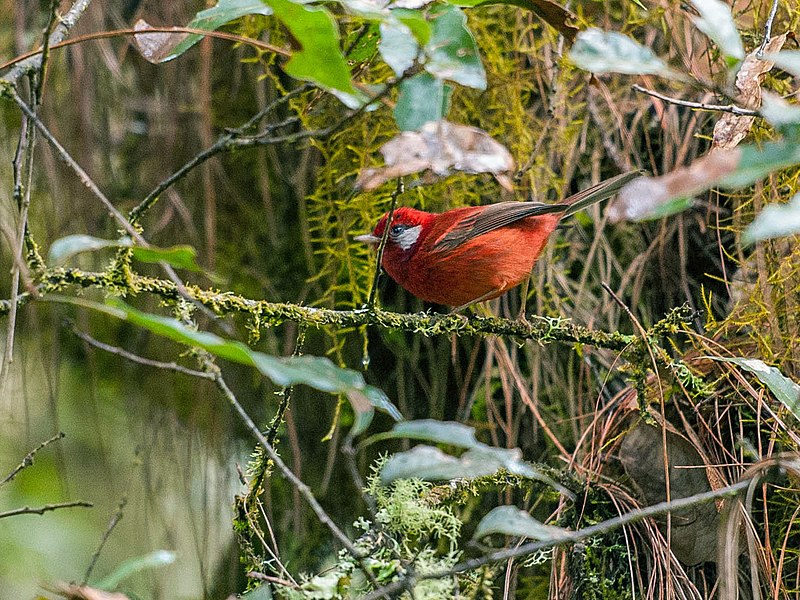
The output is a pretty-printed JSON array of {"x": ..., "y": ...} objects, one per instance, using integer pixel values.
[
  {"x": 65, "y": 24},
  {"x": 28, "y": 510},
  {"x": 728, "y": 108},
  {"x": 28, "y": 460}
]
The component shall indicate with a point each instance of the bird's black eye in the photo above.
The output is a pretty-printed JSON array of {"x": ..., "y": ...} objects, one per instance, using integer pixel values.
[{"x": 396, "y": 230}]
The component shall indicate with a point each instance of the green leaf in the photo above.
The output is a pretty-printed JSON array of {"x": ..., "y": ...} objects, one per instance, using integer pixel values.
[
  {"x": 213, "y": 18},
  {"x": 716, "y": 21},
  {"x": 774, "y": 220},
  {"x": 398, "y": 46},
  {"x": 159, "y": 558},
  {"x": 788, "y": 60},
  {"x": 319, "y": 59},
  {"x": 509, "y": 520},
  {"x": 671, "y": 207},
  {"x": 431, "y": 430},
  {"x": 783, "y": 388},
  {"x": 422, "y": 98},
  {"x": 757, "y": 162},
  {"x": 416, "y": 22},
  {"x": 65, "y": 248},
  {"x": 611, "y": 52},
  {"x": 429, "y": 463},
  {"x": 180, "y": 257},
  {"x": 782, "y": 115},
  {"x": 317, "y": 372},
  {"x": 452, "y": 52}
]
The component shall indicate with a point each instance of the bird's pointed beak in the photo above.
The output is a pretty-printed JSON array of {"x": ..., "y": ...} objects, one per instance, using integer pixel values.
[{"x": 367, "y": 238}]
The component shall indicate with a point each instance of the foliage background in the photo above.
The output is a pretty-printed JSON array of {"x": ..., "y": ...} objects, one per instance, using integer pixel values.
[{"x": 276, "y": 222}]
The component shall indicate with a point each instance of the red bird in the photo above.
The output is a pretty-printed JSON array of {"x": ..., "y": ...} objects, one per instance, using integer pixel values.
[{"x": 467, "y": 255}]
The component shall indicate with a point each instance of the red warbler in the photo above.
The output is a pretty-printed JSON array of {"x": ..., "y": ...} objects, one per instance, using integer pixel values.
[{"x": 467, "y": 255}]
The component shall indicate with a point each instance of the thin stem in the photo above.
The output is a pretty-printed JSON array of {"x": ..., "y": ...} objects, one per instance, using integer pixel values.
[
  {"x": 768, "y": 29},
  {"x": 728, "y": 108},
  {"x": 122, "y": 353},
  {"x": 384, "y": 238},
  {"x": 112, "y": 524},
  {"x": 28, "y": 510},
  {"x": 28, "y": 460}
]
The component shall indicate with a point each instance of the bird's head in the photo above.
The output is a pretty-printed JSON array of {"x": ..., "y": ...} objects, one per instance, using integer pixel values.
[{"x": 405, "y": 231}]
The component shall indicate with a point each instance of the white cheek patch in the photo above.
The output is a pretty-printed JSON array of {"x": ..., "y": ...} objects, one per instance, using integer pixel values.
[{"x": 408, "y": 238}]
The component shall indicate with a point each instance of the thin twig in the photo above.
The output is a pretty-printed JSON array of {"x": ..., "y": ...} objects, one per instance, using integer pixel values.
[
  {"x": 106, "y": 534},
  {"x": 65, "y": 23},
  {"x": 28, "y": 510},
  {"x": 121, "y": 352},
  {"x": 768, "y": 29},
  {"x": 28, "y": 460},
  {"x": 373, "y": 293},
  {"x": 728, "y": 108}
]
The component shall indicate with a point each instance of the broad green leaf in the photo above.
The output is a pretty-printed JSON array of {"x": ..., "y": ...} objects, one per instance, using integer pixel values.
[
  {"x": 422, "y": 98},
  {"x": 215, "y": 17},
  {"x": 756, "y": 162},
  {"x": 262, "y": 592},
  {"x": 452, "y": 52},
  {"x": 398, "y": 46},
  {"x": 667, "y": 209},
  {"x": 180, "y": 257},
  {"x": 416, "y": 22},
  {"x": 132, "y": 566},
  {"x": 509, "y": 520},
  {"x": 431, "y": 430},
  {"x": 774, "y": 220},
  {"x": 716, "y": 21},
  {"x": 611, "y": 52},
  {"x": 788, "y": 60},
  {"x": 783, "y": 388},
  {"x": 319, "y": 59},
  {"x": 317, "y": 372},
  {"x": 65, "y": 248}
]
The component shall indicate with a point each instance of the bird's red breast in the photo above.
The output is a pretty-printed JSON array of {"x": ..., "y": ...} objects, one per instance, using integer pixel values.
[{"x": 477, "y": 253}]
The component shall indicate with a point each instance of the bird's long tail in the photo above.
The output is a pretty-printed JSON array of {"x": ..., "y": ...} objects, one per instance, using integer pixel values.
[{"x": 596, "y": 193}]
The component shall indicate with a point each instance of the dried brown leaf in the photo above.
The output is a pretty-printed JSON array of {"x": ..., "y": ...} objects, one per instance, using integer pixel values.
[
  {"x": 643, "y": 197},
  {"x": 732, "y": 129},
  {"x": 440, "y": 147},
  {"x": 157, "y": 46}
]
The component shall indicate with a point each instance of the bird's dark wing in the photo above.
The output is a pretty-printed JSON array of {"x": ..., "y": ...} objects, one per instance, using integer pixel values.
[{"x": 492, "y": 217}]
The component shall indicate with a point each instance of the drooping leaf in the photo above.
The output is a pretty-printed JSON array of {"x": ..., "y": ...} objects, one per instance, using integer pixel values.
[
  {"x": 159, "y": 47},
  {"x": 431, "y": 430},
  {"x": 440, "y": 147},
  {"x": 66, "y": 247},
  {"x": 319, "y": 59},
  {"x": 452, "y": 52},
  {"x": 132, "y": 566},
  {"x": 611, "y": 52},
  {"x": 730, "y": 169},
  {"x": 215, "y": 17},
  {"x": 509, "y": 520},
  {"x": 716, "y": 21},
  {"x": 398, "y": 45},
  {"x": 554, "y": 14},
  {"x": 774, "y": 220},
  {"x": 783, "y": 388},
  {"x": 317, "y": 372},
  {"x": 423, "y": 98}
]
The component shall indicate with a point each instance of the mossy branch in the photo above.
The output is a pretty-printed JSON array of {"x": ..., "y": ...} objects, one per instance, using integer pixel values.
[{"x": 270, "y": 314}]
